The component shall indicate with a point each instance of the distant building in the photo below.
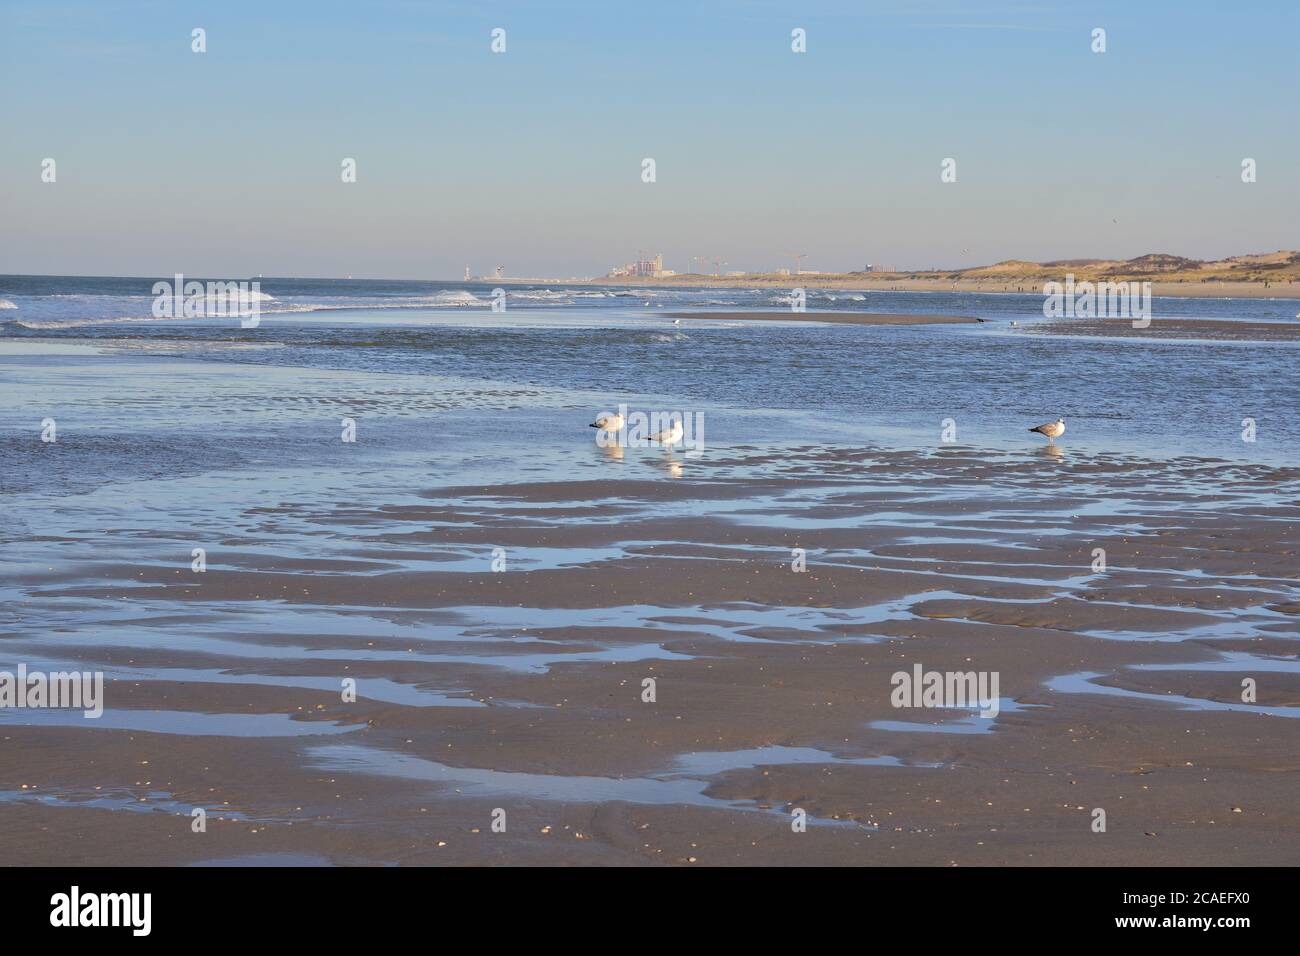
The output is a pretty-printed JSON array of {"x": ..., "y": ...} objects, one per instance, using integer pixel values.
[
  {"x": 650, "y": 267},
  {"x": 653, "y": 268}
]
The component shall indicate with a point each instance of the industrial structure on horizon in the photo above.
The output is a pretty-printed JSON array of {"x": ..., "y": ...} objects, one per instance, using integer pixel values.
[
  {"x": 653, "y": 268},
  {"x": 646, "y": 267}
]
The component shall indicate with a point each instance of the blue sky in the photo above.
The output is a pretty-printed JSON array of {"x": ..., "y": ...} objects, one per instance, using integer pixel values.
[{"x": 228, "y": 162}]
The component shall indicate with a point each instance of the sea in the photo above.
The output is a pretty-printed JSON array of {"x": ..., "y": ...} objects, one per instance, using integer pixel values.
[{"x": 394, "y": 349}]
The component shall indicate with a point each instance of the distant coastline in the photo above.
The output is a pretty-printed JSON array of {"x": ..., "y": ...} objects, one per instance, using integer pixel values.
[
  {"x": 1197, "y": 290},
  {"x": 1270, "y": 275},
  {"x": 1274, "y": 275}
]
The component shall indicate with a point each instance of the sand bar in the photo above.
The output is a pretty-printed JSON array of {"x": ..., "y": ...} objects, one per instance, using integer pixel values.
[
  {"x": 1214, "y": 329},
  {"x": 845, "y": 318}
]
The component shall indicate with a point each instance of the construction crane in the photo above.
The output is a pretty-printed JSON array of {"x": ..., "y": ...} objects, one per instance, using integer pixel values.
[
  {"x": 798, "y": 258},
  {"x": 716, "y": 261}
]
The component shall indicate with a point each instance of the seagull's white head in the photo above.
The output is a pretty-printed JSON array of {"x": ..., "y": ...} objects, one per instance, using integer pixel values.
[{"x": 1060, "y": 421}]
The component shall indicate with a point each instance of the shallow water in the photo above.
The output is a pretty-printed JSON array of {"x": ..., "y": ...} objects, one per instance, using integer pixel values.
[{"x": 383, "y": 350}]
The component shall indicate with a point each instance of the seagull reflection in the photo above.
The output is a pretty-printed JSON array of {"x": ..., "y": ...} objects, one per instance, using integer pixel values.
[{"x": 1050, "y": 450}]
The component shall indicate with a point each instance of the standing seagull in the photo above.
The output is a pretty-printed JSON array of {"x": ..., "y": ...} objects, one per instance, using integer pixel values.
[
  {"x": 671, "y": 435},
  {"x": 608, "y": 423},
  {"x": 1053, "y": 430}
]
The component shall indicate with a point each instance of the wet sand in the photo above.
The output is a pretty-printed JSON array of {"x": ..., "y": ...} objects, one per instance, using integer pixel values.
[
  {"x": 846, "y": 318},
  {"x": 522, "y": 690}
]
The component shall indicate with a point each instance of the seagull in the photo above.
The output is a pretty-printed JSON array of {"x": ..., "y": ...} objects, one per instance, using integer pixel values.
[
  {"x": 669, "y": 436},
  {"x": 608, "y": 423},
  {"x": 677, "y": 321},
  {"x": 1053, "y": 430}
]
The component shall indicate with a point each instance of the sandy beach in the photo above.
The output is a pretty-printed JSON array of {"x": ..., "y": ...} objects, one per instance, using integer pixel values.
[{"x": 1119, "y": 690}]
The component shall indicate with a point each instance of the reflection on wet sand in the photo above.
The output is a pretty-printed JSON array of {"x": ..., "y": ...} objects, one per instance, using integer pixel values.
[
  {"x": 526, "y": 688},
  {"x": 669, "y": 465}
]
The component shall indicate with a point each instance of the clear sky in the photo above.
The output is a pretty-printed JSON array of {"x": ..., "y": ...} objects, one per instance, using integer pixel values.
[{"x": 228, "y": 163}]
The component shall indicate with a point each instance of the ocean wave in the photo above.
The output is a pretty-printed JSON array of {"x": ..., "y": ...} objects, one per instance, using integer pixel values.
[
  {"x": 559, "y": 298},
  {"x": 457, "y": 297},
  {"x": 243, "y": 295},
  {"x": 447, "y": 298},
  {"x": 147, "y": 297},
  {"x": 38, "y": 324},
  {"x": 145, "y": 345},
  {"x": 545, "y": 295},
  {"x": 6, "y": 304}
]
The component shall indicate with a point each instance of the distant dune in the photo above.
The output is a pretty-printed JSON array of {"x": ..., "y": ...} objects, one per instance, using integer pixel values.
[{"x": 1270, "y": 267}]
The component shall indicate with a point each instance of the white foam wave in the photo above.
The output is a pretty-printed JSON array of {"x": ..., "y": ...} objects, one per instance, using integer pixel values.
[
  {"x": 457, "y": 297},
  {"x": 546, "y": 294},
  {"x": 37, "y": 324},
  {"x": 242, "y": 295},
  {"x": 6, "y": 304}
]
